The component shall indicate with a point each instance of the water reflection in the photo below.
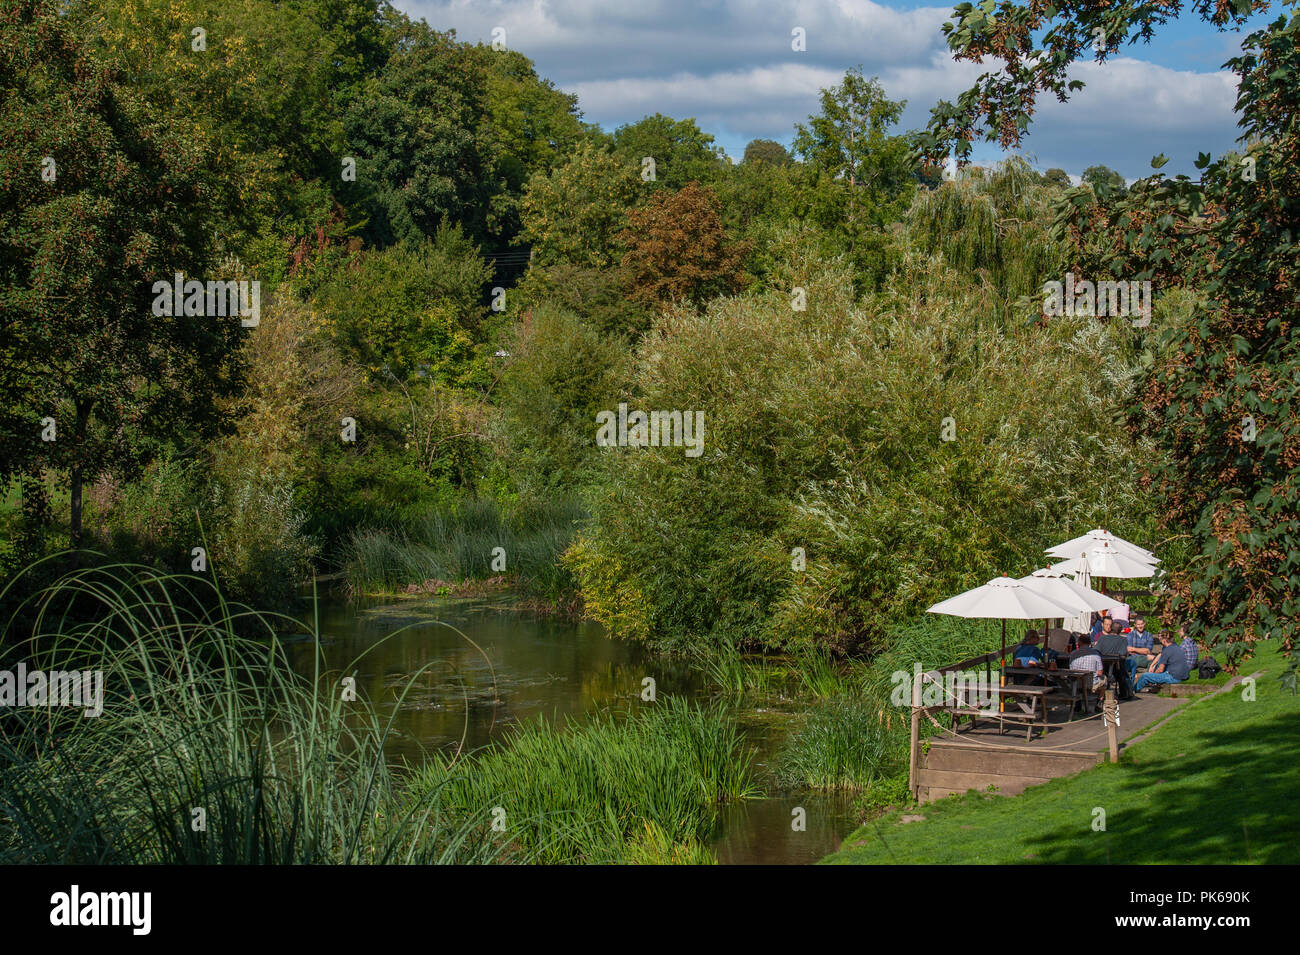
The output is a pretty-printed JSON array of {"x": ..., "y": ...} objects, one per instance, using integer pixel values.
[{"x": 763, "y": 831}]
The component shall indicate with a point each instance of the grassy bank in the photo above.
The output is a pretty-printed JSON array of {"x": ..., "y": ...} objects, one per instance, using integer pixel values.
[{"x": 1214, "y": 783}]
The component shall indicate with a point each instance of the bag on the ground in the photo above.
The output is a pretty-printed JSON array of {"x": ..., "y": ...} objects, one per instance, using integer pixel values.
[{"x": 1208, "y": 668}]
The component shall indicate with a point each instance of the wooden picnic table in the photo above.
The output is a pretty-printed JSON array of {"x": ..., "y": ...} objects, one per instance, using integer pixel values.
[
  {"x": 1037, "y": 698},
  {"x": 1081, "y": 680}
]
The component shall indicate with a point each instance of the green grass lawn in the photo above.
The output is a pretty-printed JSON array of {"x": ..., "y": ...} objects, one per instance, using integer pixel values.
[{"x": 1216, "y": 782}]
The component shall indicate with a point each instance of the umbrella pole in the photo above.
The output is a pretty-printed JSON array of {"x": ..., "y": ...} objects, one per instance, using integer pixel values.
[{"x": 1002, "y": 667}]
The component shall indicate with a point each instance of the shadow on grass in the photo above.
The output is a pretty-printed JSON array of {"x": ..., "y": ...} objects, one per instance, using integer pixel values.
[{"x": 1221, "y": 796}]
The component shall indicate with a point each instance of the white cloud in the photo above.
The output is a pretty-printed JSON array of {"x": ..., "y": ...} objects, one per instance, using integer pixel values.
[{"x": 728, "y": 64}]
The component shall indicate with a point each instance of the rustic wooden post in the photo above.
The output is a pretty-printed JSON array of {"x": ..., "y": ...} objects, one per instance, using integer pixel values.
[
  {"x": 1110, "y": 709},
  {"x": 914, "y": 751}
]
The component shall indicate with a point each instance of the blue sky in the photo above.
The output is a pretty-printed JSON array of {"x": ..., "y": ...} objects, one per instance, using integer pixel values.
[{"x": 730, "y": 66}]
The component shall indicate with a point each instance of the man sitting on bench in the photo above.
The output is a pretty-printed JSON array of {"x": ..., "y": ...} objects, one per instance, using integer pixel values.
[
  {"x": 1140, "y": 648},
  {"x": 1171, "y": 667},
  {"x": 1027, "y": 653},
  {"x": 1087, "y": 658}
]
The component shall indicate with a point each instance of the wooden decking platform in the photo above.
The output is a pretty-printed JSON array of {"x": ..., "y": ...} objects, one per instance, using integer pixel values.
[{"x": 980, "y": 757}]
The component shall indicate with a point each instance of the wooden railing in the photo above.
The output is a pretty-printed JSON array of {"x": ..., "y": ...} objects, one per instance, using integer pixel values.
[{"x": 919, "y": 710}]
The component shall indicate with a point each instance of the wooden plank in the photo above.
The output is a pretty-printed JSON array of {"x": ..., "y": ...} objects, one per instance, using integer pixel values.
[
  {"x": 959, "y": 781},
  {"x": 914, "y": 742},
  {"x": 1020, "y": 762},
  {"x": 913, "y": 749}
]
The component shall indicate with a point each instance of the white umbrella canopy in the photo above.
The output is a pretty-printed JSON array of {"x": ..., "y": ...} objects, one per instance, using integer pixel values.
[
  {"x": 1002, "y": 598},
  {"x": 1079, "y": 598},
  {"x": 1098, "y": 536},
  {"x": 1104, "y": 562},
  {"x": 1078, "y": 569}
]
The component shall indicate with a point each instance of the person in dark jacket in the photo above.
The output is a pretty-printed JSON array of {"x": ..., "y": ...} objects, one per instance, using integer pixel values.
[{"x": 1113, "y": 648}]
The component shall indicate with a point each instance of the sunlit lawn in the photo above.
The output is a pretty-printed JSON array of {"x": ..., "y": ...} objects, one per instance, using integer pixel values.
[{"x": 1215, "y": 783}]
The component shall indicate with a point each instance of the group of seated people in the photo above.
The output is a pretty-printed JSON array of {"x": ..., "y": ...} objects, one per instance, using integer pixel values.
[{"x": 1171, "y": 662}]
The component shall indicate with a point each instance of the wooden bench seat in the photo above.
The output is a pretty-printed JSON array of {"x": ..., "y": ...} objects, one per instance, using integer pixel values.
[{"x": 1037, "y": 715}]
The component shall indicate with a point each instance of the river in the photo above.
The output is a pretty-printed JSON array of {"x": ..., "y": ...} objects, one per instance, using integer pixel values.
[{"x": 499, "y": 666}]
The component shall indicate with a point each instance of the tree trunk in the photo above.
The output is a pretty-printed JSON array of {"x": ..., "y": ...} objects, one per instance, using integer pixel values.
[
  {"x": 77, "y": 472},
  {"x": 75, "y": 523}
]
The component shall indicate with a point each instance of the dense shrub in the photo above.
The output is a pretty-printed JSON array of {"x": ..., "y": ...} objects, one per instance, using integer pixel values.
[
  {"x": 410, "y": 309},
  {"x": 825, "y": 431},
  {"x": 561, "y": 372}
]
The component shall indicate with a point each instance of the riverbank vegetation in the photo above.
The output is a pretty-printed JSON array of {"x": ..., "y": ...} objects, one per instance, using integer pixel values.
[
  {"x": 206, "y": 746},
  {"x": 414, "y": 408},
  {"x": 203, "y": 745},
  {"x": 644, "y": 786}
]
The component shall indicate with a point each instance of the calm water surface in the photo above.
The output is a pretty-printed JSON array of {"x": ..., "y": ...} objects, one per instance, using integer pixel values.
[{"x": 474, "y": 668}]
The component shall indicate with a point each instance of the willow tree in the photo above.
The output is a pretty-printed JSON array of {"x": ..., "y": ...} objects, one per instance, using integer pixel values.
[{"x": 990, "y": 225}]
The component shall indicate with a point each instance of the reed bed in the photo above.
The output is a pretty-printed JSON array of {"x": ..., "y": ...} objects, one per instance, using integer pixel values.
[
  {"x": 460, "y": 545},
  {"x": 640, "y": 786},
  {"x": 209, "y": 749},
  {"x": 841, "y": 746}
]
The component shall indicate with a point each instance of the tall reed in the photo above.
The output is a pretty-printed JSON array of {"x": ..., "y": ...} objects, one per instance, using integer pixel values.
[
  {"x": 842, "y": 745},
  {"x": 462, "y": 544},
  {"x": 617, "y": 788}
]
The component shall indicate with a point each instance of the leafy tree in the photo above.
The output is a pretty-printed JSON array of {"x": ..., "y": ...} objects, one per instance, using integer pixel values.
[
  {"x": 1103, "y": 179},
  {"x": 930, "y": 175},
  {"x": 411, "y": 310},
  {"x": 769, "y": 151},
  {"x": 264, "y": 90},
  {"x": 119, "y": 209},
  {"x": 678, "y": 250},
  {"x": 575, "y": 213},
  {"x": 823, "y": 430},
  {"x": 1058, "y": 177},
  {"x": 1222, "y": 401},
  {"x": 535, "y": 125},
  {"x": 849, "y": 141},
  {"x": 597, "y": 296},
  {"x": 759, "y": 199},
  {"x": 991, "y": 226},
  {"x": 681, "y": 151},
  {"x": 424, "y": 154}
]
